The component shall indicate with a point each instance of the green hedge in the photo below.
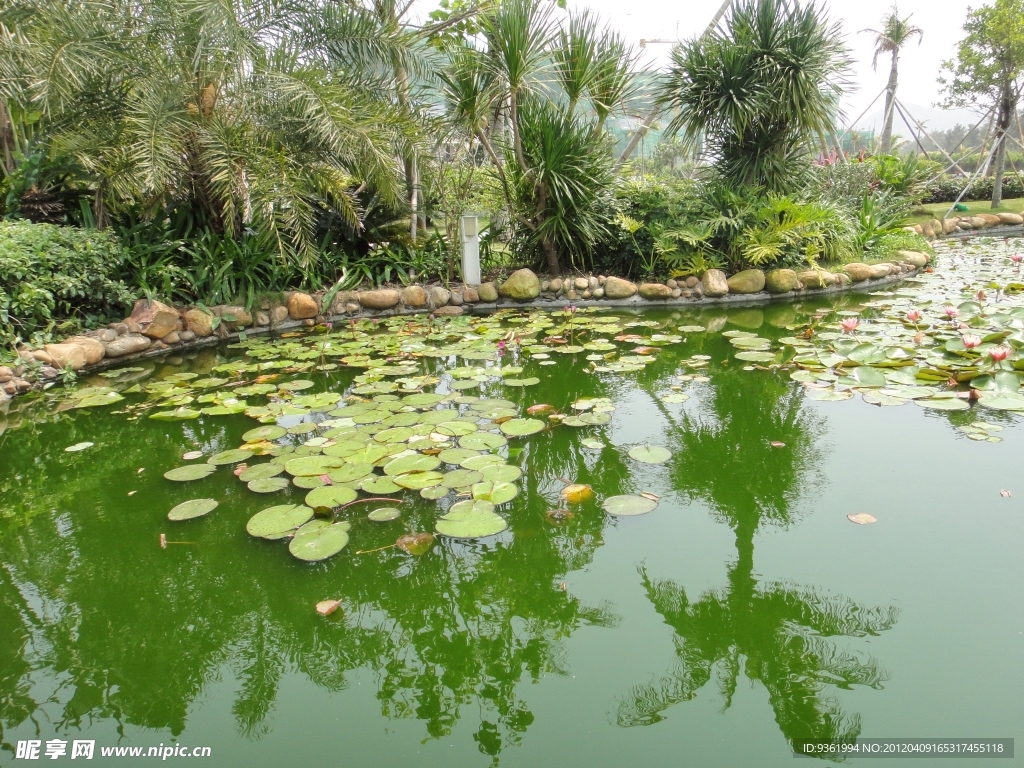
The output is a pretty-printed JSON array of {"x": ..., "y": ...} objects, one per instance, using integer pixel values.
[
  {"x": 946, "y": 188},
  {"x": 57, "y": 278}
]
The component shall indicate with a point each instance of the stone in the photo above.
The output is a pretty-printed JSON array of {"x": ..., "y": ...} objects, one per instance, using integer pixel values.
[
  {"x": 382, "y": 298},
  {"x": 522, "y": 285},
  {"x": 599, "y": 293},
  {"x": 842, "y": 278},
  {"x": 654, "y": 291},
  {"x": 93, "y": 348},
  {"x": 593, "y": 283},
  {"x": 672, "y": 284},
  {"x": 780, "y": 281},
  {"x": 617, "y": 288},
  {"x": 713, "y": 283},
  {"x": 747, "y": 281},
  {"x": 857, "y": 271},
  {"x": 107, "y": 334},
  {"x": 1011, "y": 218},
  {"x": 186, "y": 336},
  {"x": 154, "y": 318},
  {"x": 556, "y": 285},
  {"x": 448, "y": 311},
  {"x": 686, "y": 293},
  {"x": 262, "y": 318},
  {"x": 351, "y": 308},
  {"x": 571, "y": 293},
  {"x": 918, "y": 229},
  {"x": 937, "y": 227},
  {"x": 470, "y": 295},
  {"x": 586, "y": 294},
  {"x": 302, "y": 306},
  {"x": 414, "y": 296},
  {"x": 580, "y": 283},
  {"x": 691, "y": 281},
  {"x": 278, "y": 314},
  {"x": 977, "y": 222},
  {"x": 991, "y": 219},
  {"x": 545, "y": 286},
  {"x": 129, "y": 344},
  {"x": 199, "y": 321},
  {"x": 949, "y": 225},
  {"x": 813, "y": 278},
  {"x": 119, "y": 328},
  {"x": 439, "y": 296},
  {"x": 880, "y": 270},
  {"x": 6, "y": 374},
  {"x": 66, "y": 355},
  {"x": 677, "y": 292},
  {"x": 916, "y": 258},
  {"x": 601, "y": 279},
  {"x": 233, "y": 316},
  {"x": 455, "y": 299},
  {"x": 171, "y": 338},
  {"x": 489, "y": 291}
]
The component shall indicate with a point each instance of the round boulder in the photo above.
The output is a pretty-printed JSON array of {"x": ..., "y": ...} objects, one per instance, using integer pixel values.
[
  {"x": 522, "y": 285},
  {"x": 653, "y": 291},
  {"x": 617, "y": 288},
  {"x": 383, "y": 298},
  {"x": 857, "y": 271},
  {"x": 714, "y": 283},
  {"x": 414, "y": 296},
  {"x": 302, "y": 306},
  {"x": 489, "y": 291},
  {"x": 747, "y": 281},
  {"x": 780, "y": 281},
  {"x": 916, "y": 258},
  {"x": 199, "y": 321}
]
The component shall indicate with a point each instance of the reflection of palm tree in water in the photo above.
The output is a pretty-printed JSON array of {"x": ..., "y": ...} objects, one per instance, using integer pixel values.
[{"x": 778, "y": 632}]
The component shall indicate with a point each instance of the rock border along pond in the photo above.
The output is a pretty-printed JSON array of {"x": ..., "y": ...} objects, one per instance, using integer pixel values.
[{"x": 154, "y": 328}]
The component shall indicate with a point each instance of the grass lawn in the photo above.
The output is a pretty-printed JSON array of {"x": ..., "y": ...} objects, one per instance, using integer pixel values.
[{"x": 938, "y": 210}]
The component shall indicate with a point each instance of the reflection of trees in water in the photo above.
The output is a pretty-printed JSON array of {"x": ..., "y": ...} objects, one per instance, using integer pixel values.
[
  {"x": 778, "y": 633},
  {"x": 136, "y": 634}
]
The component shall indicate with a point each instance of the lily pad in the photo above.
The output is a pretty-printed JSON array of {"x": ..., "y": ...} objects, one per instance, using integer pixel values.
[
  {"x": 522, "y": 427},
  {"x": 277, "y": 522},
  {"x": 320, "y": 543},
  {"x": 233, "y": 456},
  {"x": 379, "y": 486},
  {"x": 481, "y": 441},
  {"x": 625, "y": 506},
  {"x": 862, "y": 518},
  {"x": 471, "y": 520},
  {"x": 312, "y": 465},
  {"x": 261, "y": 472},
  {"x": 650, "y": 454},
  {"x": 190, "y": 509},
  {"x": 505, "y": 473},
  {"x": 411, "y": 463},
  {"x": 268, "y": 484},
  {"x": 384, "y": 514},
  {"x": 330, "y": 496},
  {"x": 418, "y": 480},
  {"x": 190, "y": 472},
  {"x": 496, "y": 491},
  {"x": 271, "y": 432}
]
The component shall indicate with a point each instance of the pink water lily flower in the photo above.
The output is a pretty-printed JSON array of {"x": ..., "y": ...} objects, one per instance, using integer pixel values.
[
  {"x": 951, "y": 311},
  {"x": 1016, "y": 258},
  {"x": 970, "y": 341},
  {"x": 914, "y": 315},
  {"x": 998, "y": 354},
  {"x": 850, "y": 324}
]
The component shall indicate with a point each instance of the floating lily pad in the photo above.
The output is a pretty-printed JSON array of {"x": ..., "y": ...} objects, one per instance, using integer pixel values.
[
  {"x": 480, "y": 441},
  {"x": 261, "y": 472},
  {"x": 458, "y": 455},
  {"x": 625, "y": 506},
  {"x": 505, "y": 473},
  {"x": 379, "y": 486},
  {"x": 592, "y": 443},
  {"x": 190, "y": 509},
  {"x": 233, "y": 456},
  {"x": 650, "y": 454},
  {"x": 268, "y": 484},
  {"x": 313, "y": 465},
  {"x": 412, "y": 463},
  {"x": 418, "y": 480},
  {"x": 862, "y": 518},
  {"x": 435, "y": 492},
  {"x": 481, "y": 460},
  {"x": 458, "y": 478},
  {"x": 944, "y": 404},
  {"x": 384, "y": 514},
  {"x": 264, "y": 433},
  {"x": 320, "y": 543},
  {"x": 190, "y": 472},
  {"x": 521, "y": 427},
  {"x": 496, "y": 491},
  {"x": 471, "y": 520},
  {"x": 350, "y": 473},
  {"x": 330, "y": 496},
  {"x": 279, "y": 521},
  {"x": 178, "y": 414}
]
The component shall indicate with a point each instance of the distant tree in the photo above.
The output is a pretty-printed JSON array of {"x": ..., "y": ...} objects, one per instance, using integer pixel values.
[
  {"x": 987, "y": 70},
  {"x": 895, "y": 33}
]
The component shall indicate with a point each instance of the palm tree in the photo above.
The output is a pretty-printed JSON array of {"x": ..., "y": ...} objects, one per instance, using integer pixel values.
[
  {"x": 759, "y": 91},
  {"x": 895, "y": 33}
]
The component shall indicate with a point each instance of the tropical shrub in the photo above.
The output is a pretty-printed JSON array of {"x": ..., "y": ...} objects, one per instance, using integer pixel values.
[{"x": 57, "y": 278}]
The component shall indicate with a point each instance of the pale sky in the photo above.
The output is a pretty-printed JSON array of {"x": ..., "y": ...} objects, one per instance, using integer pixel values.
[{"x": 941, "y": 20}]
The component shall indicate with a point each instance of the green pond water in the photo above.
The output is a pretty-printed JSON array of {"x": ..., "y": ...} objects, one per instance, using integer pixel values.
[{"x": 744, "y": 611}]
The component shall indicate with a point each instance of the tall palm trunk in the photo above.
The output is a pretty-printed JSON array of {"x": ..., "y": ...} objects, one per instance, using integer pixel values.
[{"x": 885, "y": 142}]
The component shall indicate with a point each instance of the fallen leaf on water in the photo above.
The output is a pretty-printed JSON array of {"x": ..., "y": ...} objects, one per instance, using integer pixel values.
[
  {"x": 576, "y": 493},
  {"x": 163, "y": 541},
  {"x": 651, "y": 496},
  {"x": 862, "y": 518},
  {"x": 415, "y": 543},
  {"x": 192, "y": 455},
  {"x": 1004, "y": 493},
  {"x": 140, "y": 470},
  {"x": 132, "y": 493},
  {"x": 240, "y": 469},
  {"x": 327, "y": 607},
  {"x": 778, "y": 444}
]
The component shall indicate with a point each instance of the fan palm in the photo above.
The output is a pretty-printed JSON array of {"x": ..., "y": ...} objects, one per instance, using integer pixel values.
[
  {"x": 758, "y": 91},
  {"x": 895, "y": 33},
  {"x": 260, "y": 114}
]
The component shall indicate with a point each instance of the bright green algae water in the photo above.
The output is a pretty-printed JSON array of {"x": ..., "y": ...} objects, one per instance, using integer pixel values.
[{"x": 743, "y": 612}]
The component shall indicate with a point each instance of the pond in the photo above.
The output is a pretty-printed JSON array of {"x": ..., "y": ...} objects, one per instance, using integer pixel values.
[{"x": 542, "y": 624}]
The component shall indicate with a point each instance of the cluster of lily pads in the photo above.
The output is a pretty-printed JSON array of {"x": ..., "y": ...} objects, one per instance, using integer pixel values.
[{"x": 946, "y": 340}]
